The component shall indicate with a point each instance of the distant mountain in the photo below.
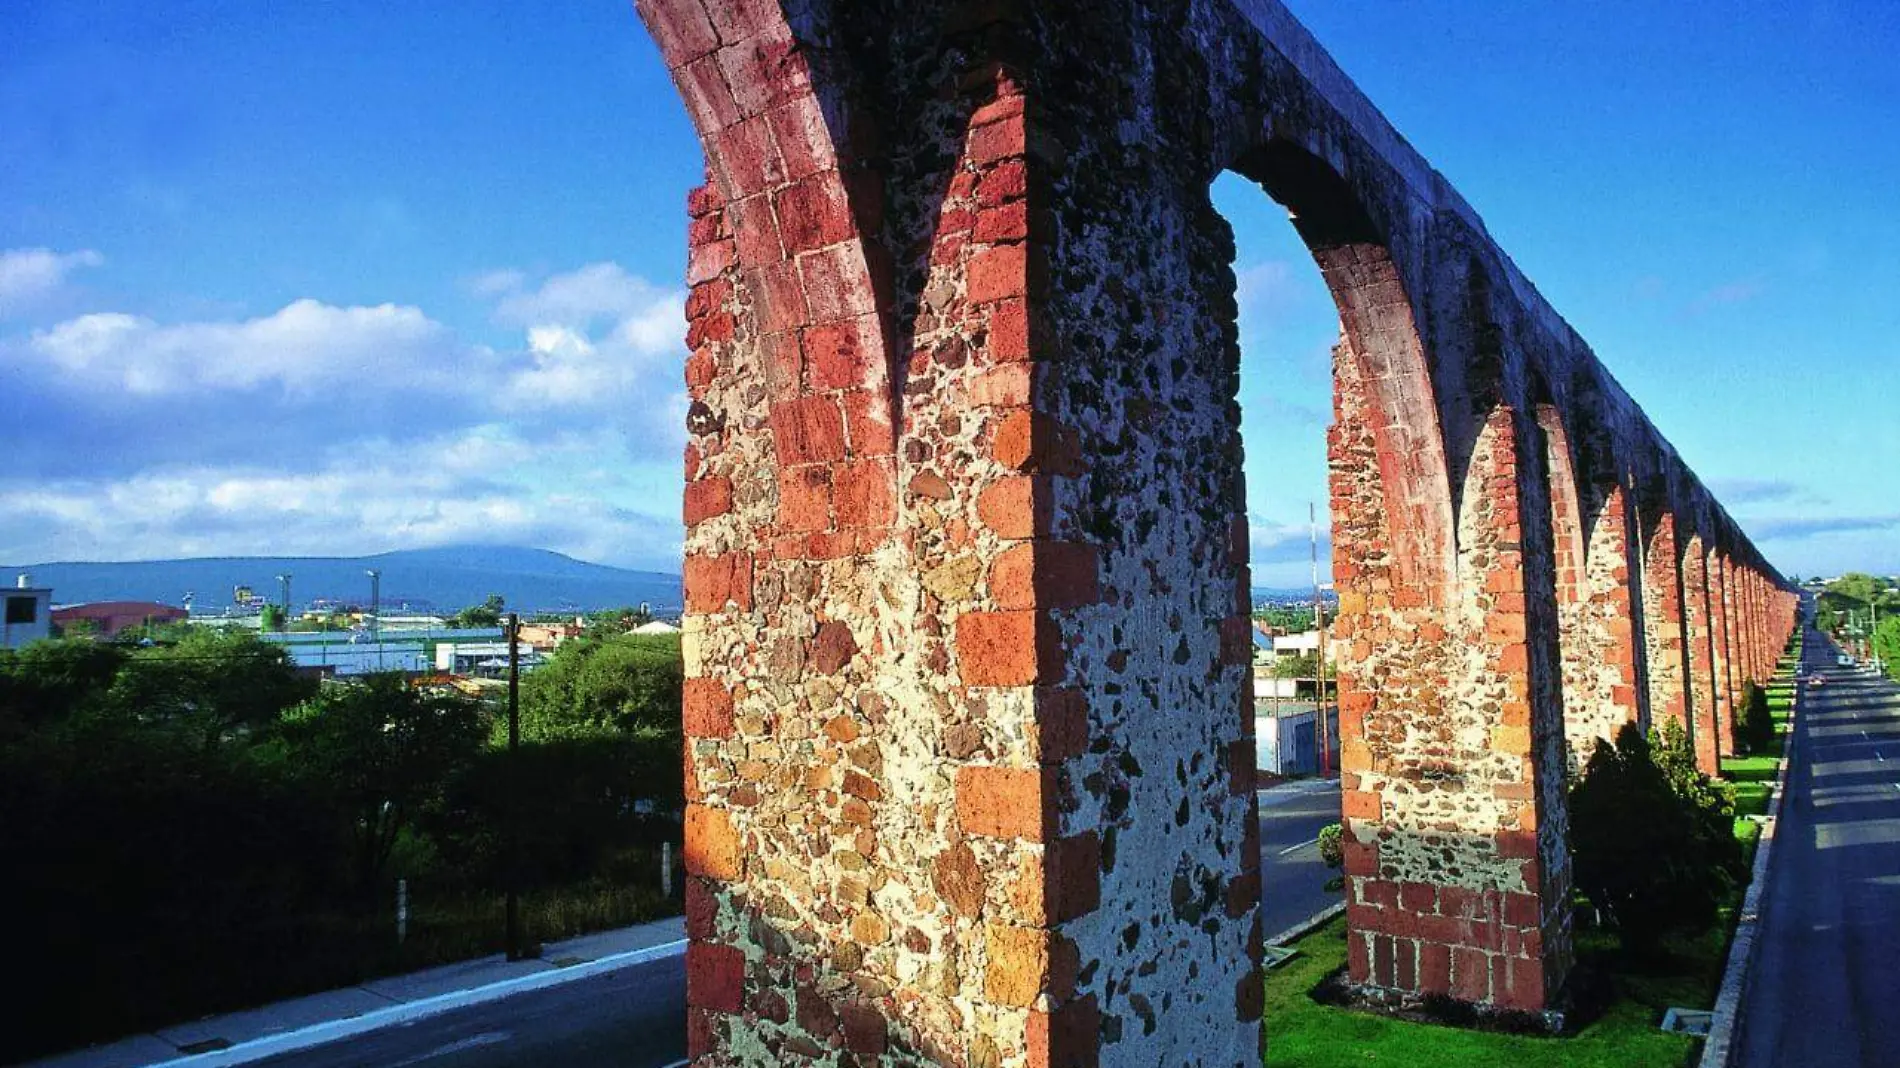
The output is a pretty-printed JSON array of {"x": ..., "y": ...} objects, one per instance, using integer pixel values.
[
  {"x": 1288, "y": 594},
  {"x": 440, "y": 580}
]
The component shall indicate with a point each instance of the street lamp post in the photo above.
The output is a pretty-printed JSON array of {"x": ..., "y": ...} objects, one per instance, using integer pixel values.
[
  {"x": 376, "y": 613},
  {"x": 515, "y": 951}
]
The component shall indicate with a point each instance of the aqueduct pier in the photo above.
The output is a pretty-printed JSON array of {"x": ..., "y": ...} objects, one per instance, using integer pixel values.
[{"x": 969, "y": 768}]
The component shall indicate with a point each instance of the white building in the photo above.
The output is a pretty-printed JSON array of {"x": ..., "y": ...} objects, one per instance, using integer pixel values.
[
  {"x": 29, "y": 614},
  {"x": 1306, "y": 641}
]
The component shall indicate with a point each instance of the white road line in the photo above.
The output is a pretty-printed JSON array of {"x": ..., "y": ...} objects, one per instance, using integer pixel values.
[
  {"x": 1297, "y": 848},
  {"x": 486, "y": 1038},
  {"x": 332, "y": 1030}
]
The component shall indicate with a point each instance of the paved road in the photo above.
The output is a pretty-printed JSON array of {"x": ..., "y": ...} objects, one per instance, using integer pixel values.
[
  {"x": 1292, "y": 879},
  {"x": 631, "y": 1018},
  {"x": 1826, "y": 989},
  {"x": 635, "y": 1017}
]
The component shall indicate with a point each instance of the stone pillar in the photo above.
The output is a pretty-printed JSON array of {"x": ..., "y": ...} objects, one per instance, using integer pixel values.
[
  {"x": 1458, "y": 880},
  {"x": 1599, "y": 631},
  {"x": 1703, "y": 688},
  {"x": 970, "y": 767},
  {"x": 1727, "y": 684},
  {"x": 1664, "y": 622},
  {"x": 1758, "y": 667},
  {"x": 1768, "y": 654}
]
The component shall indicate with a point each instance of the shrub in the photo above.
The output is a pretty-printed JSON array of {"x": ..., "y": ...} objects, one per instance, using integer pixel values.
[
  {"x": 1653, "y": 839},
  {"x": 1332, "y": 847},
  {"x": 1754, "y": 725}
]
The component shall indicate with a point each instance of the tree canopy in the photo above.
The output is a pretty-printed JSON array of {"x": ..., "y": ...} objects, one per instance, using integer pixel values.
[
  {"x": 620, "y": 684},
  {"x": 486, "y": 614}
]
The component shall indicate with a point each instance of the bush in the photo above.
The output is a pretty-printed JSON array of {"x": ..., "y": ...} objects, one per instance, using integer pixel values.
[
  {"x": 1332, "y": 848},
  {"x": 1652, "y": 838},
  {"x": 1754, "y": 725}
]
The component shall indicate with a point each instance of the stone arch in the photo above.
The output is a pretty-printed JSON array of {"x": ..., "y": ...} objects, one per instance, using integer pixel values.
[
  {"x": 1665, "y": 620},
  {"x": 967, "y": 648},
  {"x": 1384, "y": 398},
  {"x": 1448, "y": 681},
  {"x": 1600, "y": 633}
]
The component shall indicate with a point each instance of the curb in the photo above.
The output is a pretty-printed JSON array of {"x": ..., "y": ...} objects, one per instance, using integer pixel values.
[
  {"x": 1308, "y": 925},
  {"x": 1726, "y": 1026},
  {"x": 334, "y": 1030}
]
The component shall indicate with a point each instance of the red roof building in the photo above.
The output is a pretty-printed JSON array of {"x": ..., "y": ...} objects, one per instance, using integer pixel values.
[{"x": 111, "y": 617}]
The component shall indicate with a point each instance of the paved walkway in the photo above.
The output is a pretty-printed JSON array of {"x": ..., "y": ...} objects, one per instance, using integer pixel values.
[
  {"x": 219, "y": 1032},
  {"x": 1826, "y": 989}
]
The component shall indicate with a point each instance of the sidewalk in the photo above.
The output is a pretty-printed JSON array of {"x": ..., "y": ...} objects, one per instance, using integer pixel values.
[
  {"x": 1293, "y": 789},
  {"x": 463, "y": 983}
]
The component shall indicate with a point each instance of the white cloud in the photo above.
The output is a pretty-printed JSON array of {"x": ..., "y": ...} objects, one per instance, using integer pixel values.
[
  {"x": 328, "y": 429},
  {"x": 30, "y": 278},
  {"x": 580, "y": 298},
  {"x": 304, "y": 347},
  {"x": 631, "y": 368},
  {"x": 490, "y": 284},
  {"x": 1271, "y": 542},
  {"x": 488, "y": 485}
]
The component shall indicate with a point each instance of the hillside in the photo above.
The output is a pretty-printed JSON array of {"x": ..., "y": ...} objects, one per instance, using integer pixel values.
[{"x": 442, "y": 579}]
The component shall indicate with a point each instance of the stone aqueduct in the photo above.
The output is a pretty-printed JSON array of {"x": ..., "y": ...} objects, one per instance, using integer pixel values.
[{"x": 970, "y": 767}]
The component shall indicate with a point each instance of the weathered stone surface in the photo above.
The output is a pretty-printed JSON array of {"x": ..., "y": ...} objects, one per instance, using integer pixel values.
[{"x": 966, "y": 576}]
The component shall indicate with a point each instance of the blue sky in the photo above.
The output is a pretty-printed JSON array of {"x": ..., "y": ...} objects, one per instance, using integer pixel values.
[{"x": 354, "y": 276}]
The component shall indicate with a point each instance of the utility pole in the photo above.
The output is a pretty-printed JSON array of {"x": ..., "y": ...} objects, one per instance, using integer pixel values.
[
  {"x": 376, "y": 613},
  {"x": 514, "y": 785},
  {"x": 1319, "y": 645},
  {"x": 283, "y": 587}
]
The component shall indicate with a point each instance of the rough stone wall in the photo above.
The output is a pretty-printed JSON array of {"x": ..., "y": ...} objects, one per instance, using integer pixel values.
[
  {"x": 1456, "y": 861},
  {"x": 1599, "y": 631},
  {"x": 1760, "y": 667},
  {"x": 1665, "y": 625},
  {"x": 969, "y": 773},
  {"x": 1722, "y": 649},
  {"x": 1704, "y": 696}
]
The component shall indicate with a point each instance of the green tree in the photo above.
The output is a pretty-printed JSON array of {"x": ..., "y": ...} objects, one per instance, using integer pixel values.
[
  {"x": 567, "y": 807},
  {"x": 381, "y": 753},
  {"x": 1887, "y": 645},
  {"x": 1755, "y": 726},
  {"x": 622, "y": 684},
  {"x": 624, "y": 618},
  {"x": 1653, "y": 843},
  {"x": 1288, "y": 617},
  {"x": 486, "y": 614},
  {"x": 1859, "y": 587},
  {"x": 273, "y": 617},
  {"x": 1301, "y": 666},
  {"x": 211, "y": 685},
  {"x": 48, "y": 682}
]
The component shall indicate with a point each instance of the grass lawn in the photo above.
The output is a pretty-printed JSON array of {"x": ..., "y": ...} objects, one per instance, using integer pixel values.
[{"x": 1302, "y": 1033}]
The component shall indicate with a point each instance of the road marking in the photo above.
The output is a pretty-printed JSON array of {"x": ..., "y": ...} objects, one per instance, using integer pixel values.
[
  {"x": 486, "y": 1038},
  {"x": 333, "y": 1030},
  {"x": 1297, "y": 848}
]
